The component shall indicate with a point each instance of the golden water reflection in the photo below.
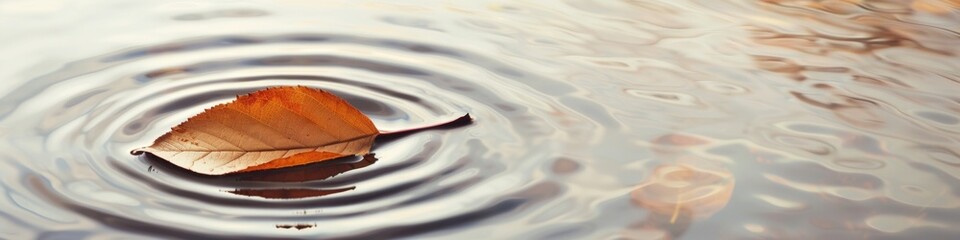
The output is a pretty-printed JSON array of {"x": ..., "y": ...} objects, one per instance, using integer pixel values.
[{"x": 675, "y": 190}]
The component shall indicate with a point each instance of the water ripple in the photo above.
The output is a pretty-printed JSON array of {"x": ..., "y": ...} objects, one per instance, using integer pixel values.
[
  {"x": 397, "y": 86},
  {"x": 594, "y": 119}
]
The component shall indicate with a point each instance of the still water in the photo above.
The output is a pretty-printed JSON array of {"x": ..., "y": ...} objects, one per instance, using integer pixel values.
[{"x": 697, "y": 119}]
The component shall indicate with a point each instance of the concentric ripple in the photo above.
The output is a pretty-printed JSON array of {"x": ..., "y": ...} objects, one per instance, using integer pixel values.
[
  {"x": 92, "y": 117},
  {"x": 679, "y": 119}
]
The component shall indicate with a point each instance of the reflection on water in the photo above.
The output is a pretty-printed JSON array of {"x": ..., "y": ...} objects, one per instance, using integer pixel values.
[
  {"x": 676, "y": 195},
  {"x": 299, "y": 226},
  {"x": 302, "y": 174},
  {"x": 836, "y": 119},
  {"x": 684, "y": 190}
]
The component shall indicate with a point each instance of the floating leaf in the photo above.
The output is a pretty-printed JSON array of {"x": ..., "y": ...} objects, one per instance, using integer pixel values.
[{"x": 268, "y": 129}]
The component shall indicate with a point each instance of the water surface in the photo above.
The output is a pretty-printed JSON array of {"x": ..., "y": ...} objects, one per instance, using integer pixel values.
[{"x": 594, "y": 119}]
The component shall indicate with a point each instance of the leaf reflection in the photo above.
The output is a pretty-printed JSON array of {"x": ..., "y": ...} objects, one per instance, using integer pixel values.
[
  {"x": 275, "y": 183},
  {"x": 678, "y": 194},
  {"x": 684, "y": 192},
  {"x": 312, "y": 172},
  {"x": 294, "y": 193}
]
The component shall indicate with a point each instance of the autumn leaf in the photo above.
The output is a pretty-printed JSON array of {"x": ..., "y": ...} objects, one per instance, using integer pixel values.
[{"x": 271, "y": 128}]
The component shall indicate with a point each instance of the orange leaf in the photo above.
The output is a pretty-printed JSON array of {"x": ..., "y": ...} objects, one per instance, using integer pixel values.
[{"x": 272, "y": 128}]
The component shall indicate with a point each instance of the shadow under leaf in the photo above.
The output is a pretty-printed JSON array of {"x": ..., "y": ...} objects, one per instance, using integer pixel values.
[
  {"x": 244, "y": 182},
  {"x": 303, "y": 173},
  {"x": 309, "y": 172},
  {"x": 294, "y": 193}
]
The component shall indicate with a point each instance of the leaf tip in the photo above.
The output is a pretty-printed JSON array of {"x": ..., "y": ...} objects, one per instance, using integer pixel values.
[
  {"x": 138, "y": 151},
  {"x": 466, "y": 118}
]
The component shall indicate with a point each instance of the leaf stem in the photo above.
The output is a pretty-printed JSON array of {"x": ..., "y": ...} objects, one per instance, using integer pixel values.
[{"x": 451, "y": 123}]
